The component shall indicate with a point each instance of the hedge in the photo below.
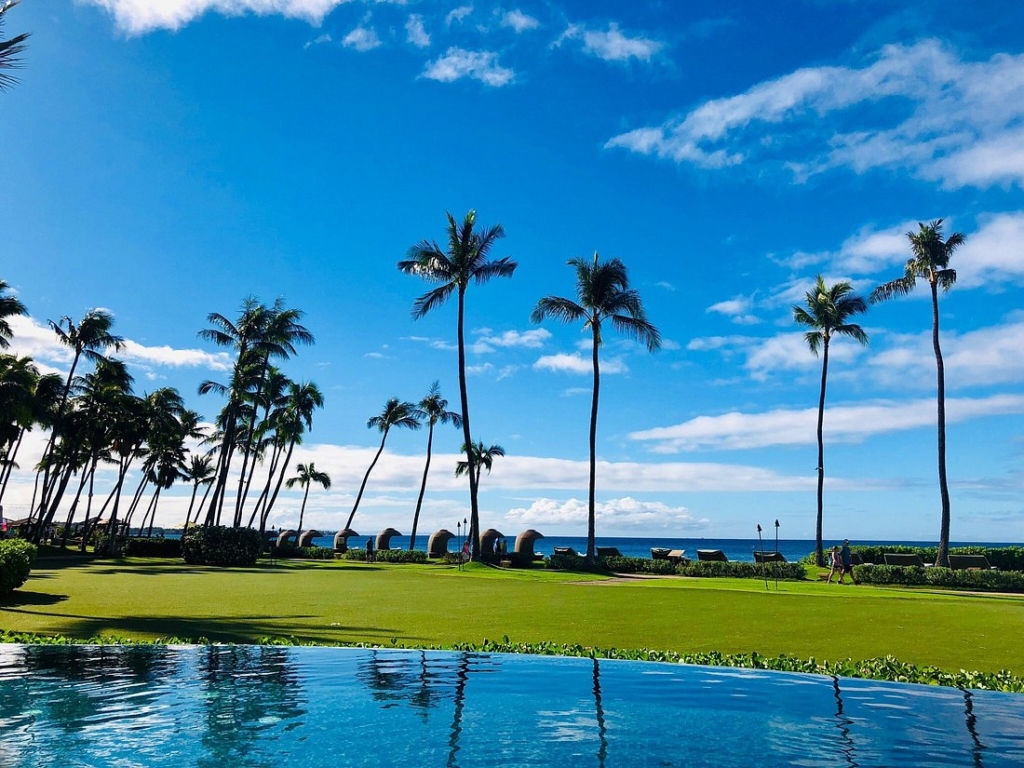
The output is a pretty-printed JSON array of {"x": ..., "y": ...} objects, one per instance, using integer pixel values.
[
  {"x": 638, "y": 565},
  {"x": 16, "y": 557},
  {"x": 153, "y": 547},
  {"x": 1003, "y": 558},
  {"x": 417, "y": 556},
  {"x": 740, "y": 570},
  {"x": 992, "y": 581},
  {"x": 221, "y": 546}
]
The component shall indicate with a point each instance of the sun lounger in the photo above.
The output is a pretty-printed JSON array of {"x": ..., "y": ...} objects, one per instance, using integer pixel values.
[
  {"x": 566, "y": 551},
  {"x": 678, "y": 556},
  {"x": 769, "y": 557},
  {"x": 608, "y": 552},
  {"x": 970, "y": 562},
  {"x": 899, "y": 558},
  {"x": 660, "y": 553},
  {"x": 716, "y": 555}
]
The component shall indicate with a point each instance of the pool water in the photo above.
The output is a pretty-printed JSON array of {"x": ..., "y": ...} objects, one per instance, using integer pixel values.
[{"x": 227, "y": 706}]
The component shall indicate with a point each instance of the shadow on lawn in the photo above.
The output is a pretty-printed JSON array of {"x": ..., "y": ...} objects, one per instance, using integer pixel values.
[{"x": 21, "y": 597}]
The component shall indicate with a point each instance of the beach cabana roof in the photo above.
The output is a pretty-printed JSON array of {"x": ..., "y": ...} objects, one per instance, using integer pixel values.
[
  {"x": 384, "y": 538},
  {"x": 341, "y": 539},
  {"x": 437, "y": 546},
  {"x": 526, "y": 539},
  {"x": 282, "y": 539},
  {"x": 306, "y": 539}
]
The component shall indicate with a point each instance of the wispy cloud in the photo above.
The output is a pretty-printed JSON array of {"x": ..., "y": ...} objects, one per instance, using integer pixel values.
[
  {"x": 138, "y": 16},
  {"x": 612, "y": 44},
  {"x": 566, "y": 363},
  {"x": 623, "y": 513},
  {"x": 736, "y": 309},
  {"x": 457, "y": 15},
  {"x": 964, "y": 126},
  {"x": 458, "y": 63},
  {"x": 488, "y": 341},
  {"x": 519, "y": 21},
  {"x": 416, "y": 31},
  {"x": 843, "y": 424},
  {"x": 362, "y": 39}
]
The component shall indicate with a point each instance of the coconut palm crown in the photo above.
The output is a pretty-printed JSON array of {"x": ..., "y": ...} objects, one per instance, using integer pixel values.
[
  {"x": 603, "y": 296},
  {"x": 826, "y": 312},
  {"x": 930, "y": 255}
]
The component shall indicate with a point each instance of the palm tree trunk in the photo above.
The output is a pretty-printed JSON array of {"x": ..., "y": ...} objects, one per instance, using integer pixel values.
[
  {"x": 191, "y": 503},
  {"x": 366, "y": 477},
  {"x": 277, "y": 489},
  {"x": 942, "y": 557},
  {"x": 9, "y": 459},
  {"x": 423, "y": 487},
  {"x": 591, "y": 514},
  {"x": 302, "y": 511},
  {"x": 71, "y": 512},
  {"x": 474, "y": 509},
  {"x": 819, "y": 556}
]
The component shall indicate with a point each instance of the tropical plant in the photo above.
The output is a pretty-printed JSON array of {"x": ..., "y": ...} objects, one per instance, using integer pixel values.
[
  {"x": 482, "y": 458},
  {"x": 9, "y": 49},
  {"x": 930, "y": 260},
  {"x": 397, "y": 413},
  {"x": 200, "y": 472},
  {"x": 826, "y": 313},
  {"x": 466, "y": 259},
  {"x": 603, "y": 296},
  {"x": 306, "y": 477},
  {"x": 434, "y": 409},
  {"x": 10, "y": 305}
]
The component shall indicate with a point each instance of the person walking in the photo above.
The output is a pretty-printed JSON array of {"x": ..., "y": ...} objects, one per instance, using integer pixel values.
[
  {"x": 837, "y": 564},
  {"x": 847, "y": 558},
  {"x": 370, "y": 557}
]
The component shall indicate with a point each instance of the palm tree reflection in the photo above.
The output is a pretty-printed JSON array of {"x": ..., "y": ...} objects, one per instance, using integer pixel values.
[{"x": 843, "y": 723}]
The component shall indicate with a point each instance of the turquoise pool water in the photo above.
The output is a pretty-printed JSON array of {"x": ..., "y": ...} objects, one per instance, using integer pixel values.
[{"x": 260, "y": 706}]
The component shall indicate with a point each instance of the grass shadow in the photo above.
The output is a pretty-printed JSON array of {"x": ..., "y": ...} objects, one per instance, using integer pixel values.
[{"x": 22, "y": 597}]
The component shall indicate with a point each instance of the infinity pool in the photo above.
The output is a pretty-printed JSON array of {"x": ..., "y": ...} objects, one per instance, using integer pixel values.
[{"x": 228, "y": 706}]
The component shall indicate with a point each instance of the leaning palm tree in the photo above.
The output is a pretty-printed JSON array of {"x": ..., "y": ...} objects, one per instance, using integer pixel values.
[
  {"x": 434, "y": 409},
  {"x": 10, "y": 305},
  {"x": 483, "y": 458},
  {"x": 826, "y": 312},
  {"x": 200, "y": 472},
  {"x": 9, "y": 49},
  {"x": 396, "y": 413},
  {"x": 930, "y": 260},
  {"x": 603, "y": 295},
  {"x": 306, "y": 477},
  {"x": 464, "y": 260}
]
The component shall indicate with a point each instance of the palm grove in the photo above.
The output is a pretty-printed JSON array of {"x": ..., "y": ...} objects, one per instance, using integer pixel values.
[{"x": 96, "y": 418}]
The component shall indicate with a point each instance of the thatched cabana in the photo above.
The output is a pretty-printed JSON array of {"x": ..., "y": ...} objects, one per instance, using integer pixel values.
[
  {"x": 284, "y": 536},
  {"x": 437, "y": 546},
  {"x": 384, "y": 538},
  {"x": 306, "y": 539},
  {"x": 487, "y": 539},
  {"x": 341, "y": 539},
  {"x": 525, "y": 541}
]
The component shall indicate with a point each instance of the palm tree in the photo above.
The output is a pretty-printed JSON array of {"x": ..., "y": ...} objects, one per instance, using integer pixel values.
[
  {"x": 200, "y": 472},
  {"x": 10, "y": 304},
  {"x": 307, "y": 476},
  {"x": 434, "y": 409},
  {"x": 9, "y": 49},
  {"x": 483, "y": 458},
  {"x": 930, "y": 260},
  {"x": 603, "y": 295},
  {"x": 465, "y": 260},
  {"x": 827, "y": 310},
  {"x": 396, "y": 413}
]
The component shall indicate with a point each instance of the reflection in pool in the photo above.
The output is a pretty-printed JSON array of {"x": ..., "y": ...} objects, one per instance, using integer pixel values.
[{"x": 265, "y": 706}]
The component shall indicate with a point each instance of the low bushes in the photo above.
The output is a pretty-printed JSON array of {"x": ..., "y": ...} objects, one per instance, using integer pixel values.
[
  {"x": 993, "y": 581},
  {"x": 1003, "y": 558},
  {"x": 638, "y": 565},
  {"x": 217, "y": 545},
  {"x": 290, "y": 551},
  {"x": 737, "y": 570},
  {"x": 566, "y": 563},
  {"x": 16, "y": 556},
  {"x": 389, "y": 555},
  {"x": 153, "y": 547}
]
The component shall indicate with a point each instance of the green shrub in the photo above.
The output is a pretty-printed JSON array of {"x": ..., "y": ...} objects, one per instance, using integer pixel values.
[
  {"x": 108, "y": 546},
  {"x": 994, "y": 581},
  {"x": 16, "y": 557},
  {"x": 638, "y": 565},
  {"x": 221, "y": 546},
  {"x": 317, "y": 553},
  {"x": 401, "y": 556},
  {"x": 738, "y": 570},
  {"x": 153, "y": 547},
  {"x": 1003, "y": 558},
  {"x": 565, "y": 562}
]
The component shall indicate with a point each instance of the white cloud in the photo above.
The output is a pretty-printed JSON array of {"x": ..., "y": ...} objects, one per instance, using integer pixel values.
[
  {"x": 458, "y": 63},
  {"x": 319, "y": 40},
  {"x": 782, "y": 352},
  {"x": 953, "y": 121},
  {"x": 736, "y": 309},
  {"x": 993, "y": 255},
  {"x": 519, "y": 21},
  {"x": 624, "y": 513},
  {"x": 457, "y": 15},
  {"x": 141, "y": 16},
  {"x": 611, "y": 44},
  {"x": 577, "y": 364},
  {"x": 362, "y": 39},
  {"x": 416, "y": 32},
  {"x": 488, "y": 341},
  {"x": 843, "y": 423}
]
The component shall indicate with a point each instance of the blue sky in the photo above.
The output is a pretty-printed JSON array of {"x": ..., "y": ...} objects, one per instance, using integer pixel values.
[{"x": 165, "y": 159}]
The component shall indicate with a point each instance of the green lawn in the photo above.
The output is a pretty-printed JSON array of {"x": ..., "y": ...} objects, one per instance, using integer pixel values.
[{"x": 428, "y": 605}]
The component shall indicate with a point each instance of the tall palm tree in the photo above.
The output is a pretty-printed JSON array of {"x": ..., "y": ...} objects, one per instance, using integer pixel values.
[
  {"x": 9, "y": 49},
  {"x": 200, "y": 472},
  {"x": 483, "y": 458},
  {"x": 465, "y": 260},
  {"x": 603, "y": 296},
  {"x": 10, "y": 304},
  {"x": 396, "y": 413},
  {"x": 930, "y": 260},
  {"x": 434, "y": 409},
  {"x": 826, "y": 313},
  {"x": 306, "y": 477}
]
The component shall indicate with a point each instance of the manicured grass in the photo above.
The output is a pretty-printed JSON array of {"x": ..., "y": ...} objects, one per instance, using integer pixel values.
[{"x": 433, "y": 605}]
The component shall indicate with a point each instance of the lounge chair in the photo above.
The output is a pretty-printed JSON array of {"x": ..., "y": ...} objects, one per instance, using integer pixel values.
[
  {"x": 903, "y": 559},
  {"x": 769, "y": 557},
  {"x": 970, "y": 562},
  {"x": 608, "y": 552},
  {"x": 678, "y": 556},
  {"x": 715, "y": 555},
  {"x": 566, "y": 551},
  {"x": 660, "y": 553}
]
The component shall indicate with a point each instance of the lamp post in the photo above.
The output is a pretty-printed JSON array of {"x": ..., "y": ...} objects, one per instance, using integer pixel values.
[
  {"x": 458, "y": 527},
  {"x": 775, "y": 567}
]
